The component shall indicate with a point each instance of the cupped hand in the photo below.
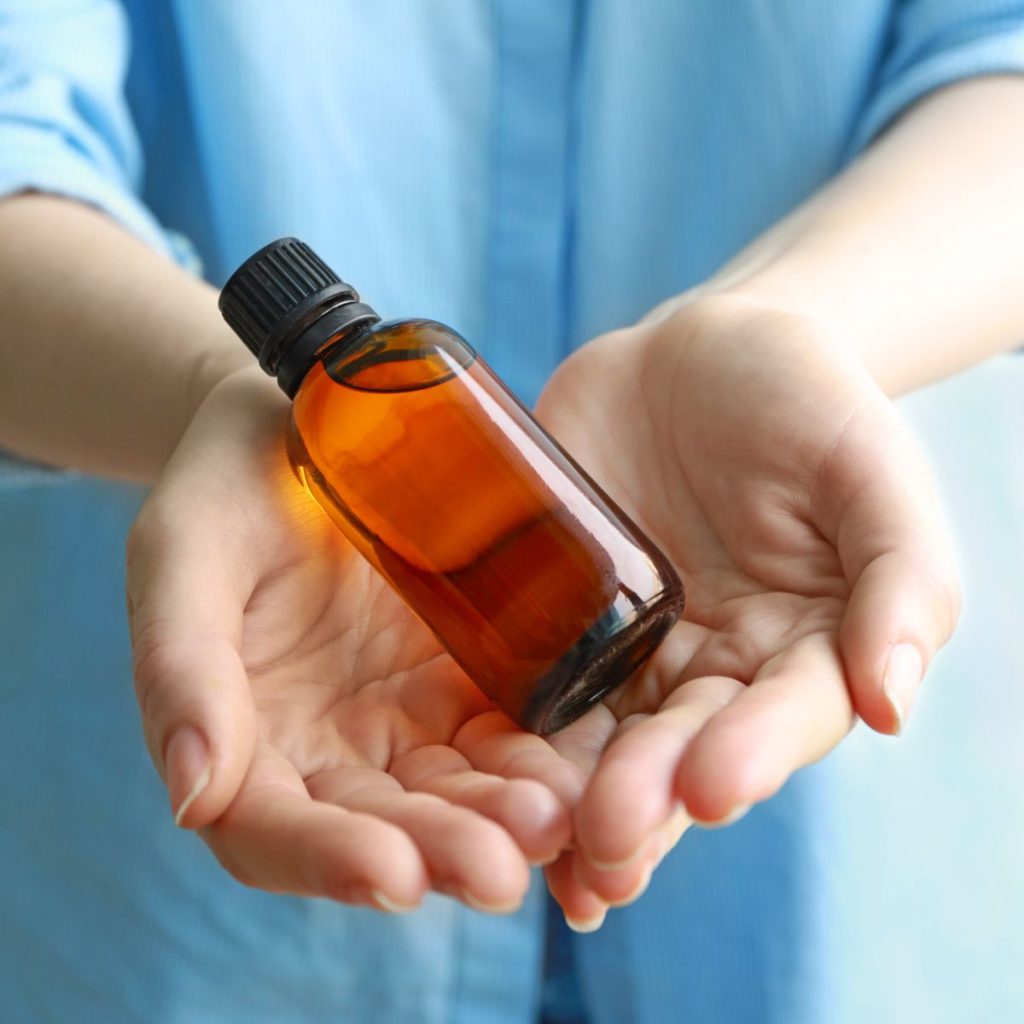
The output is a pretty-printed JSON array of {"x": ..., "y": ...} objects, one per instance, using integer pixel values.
[
  {"x": 300, "y": 715},
  {"x": 793, "y": 500}
]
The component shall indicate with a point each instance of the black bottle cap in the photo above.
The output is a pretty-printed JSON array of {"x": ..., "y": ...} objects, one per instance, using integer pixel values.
[{"x": 276, "y": 295}]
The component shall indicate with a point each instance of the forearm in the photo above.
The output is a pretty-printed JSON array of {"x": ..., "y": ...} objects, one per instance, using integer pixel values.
[
  {"x": 913, "y": 254},
  {"x": 106, "y": 348}
]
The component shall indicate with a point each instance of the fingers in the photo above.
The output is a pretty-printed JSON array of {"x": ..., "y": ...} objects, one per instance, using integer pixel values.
[
  {"x": 900, "y": 613},
  {"x": 530, "y": 813},
  {"x": 186, "y": 594},
  {"x": 467, "y": 855},
  {"x": 583, "y": 890},
  {"x": 582, "y": 743},
  {"x": 894, "y": 549},
  {"x": 632, "y": 791},
  {"x": 492, "y": 743},
  {"x": 562, "y": 763},
  {"x": 630, "y": 816},
  {"x": 584, "y": 911},
  {"x": 585, "y": 905},
  {"x": 621, "y": 885},
  {"x": 795, "y": 711},
  {"x": 717, "y": 747},
  {"x": 274, "y": 837}
]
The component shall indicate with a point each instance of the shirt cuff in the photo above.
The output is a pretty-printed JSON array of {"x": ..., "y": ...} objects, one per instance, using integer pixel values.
[{"x": 28, "y": 167}]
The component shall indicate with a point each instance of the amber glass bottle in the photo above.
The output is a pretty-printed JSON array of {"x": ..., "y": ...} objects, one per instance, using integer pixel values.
[{"x": 535, "y": 582}]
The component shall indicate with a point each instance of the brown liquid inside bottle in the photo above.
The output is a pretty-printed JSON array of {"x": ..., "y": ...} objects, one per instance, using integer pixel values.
[
  {"x": 535, "y": 583},
  {"x": 543, "y": 590}
]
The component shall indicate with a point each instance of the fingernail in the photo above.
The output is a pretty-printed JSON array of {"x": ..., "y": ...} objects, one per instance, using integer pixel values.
[
  {"x": 491, "y": 908},
  {"x": 619, "y": 865},
  {"x": 388, "y": 904},
  {"x": 730, "y": 819},
  {"x": 188, "y": 769},
  {"x": 590, "y": 925},
  {"x": 673, "y": 831},
  {"x": 465, "y": 896},
  {"x": 902, "y": 678}
]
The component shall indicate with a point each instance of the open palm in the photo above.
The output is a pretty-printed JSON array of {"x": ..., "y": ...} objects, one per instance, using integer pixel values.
[
  {"x": 333, "y": 748},
  {"x": 788, "y": 493},
  {"x": 325, "y": 743}
]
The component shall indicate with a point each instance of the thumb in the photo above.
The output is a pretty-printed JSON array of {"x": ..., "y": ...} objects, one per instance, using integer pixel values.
[
  {"x": 185, "y": 604},
  {"x": 895, "y": 552}
]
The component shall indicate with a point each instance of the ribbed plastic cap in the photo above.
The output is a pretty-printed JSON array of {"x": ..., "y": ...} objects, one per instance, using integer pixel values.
[{"x": 275, "y": 292}]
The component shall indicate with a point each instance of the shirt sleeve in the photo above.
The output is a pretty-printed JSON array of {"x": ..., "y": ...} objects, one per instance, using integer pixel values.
[
  {"x": 64, "y": 120},
  {"x": 933, "y": 43}
]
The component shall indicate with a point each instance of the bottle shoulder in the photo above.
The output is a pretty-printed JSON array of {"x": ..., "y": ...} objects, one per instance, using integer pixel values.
[{"x": 399, "y": 355}]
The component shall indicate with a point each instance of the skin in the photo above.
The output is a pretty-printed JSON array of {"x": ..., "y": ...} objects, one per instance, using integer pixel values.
[
  {"x": 349, "y": 756},
  {"x": 307, "y": 725},
  {"x": 808, "y": 537}
]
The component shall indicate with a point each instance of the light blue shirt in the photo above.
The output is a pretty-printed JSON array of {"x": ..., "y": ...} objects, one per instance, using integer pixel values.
[{"x": 533, "y": 172}]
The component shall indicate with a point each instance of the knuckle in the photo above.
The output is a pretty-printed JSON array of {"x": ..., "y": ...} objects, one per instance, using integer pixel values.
[
  {"x": 338, "y": 880},
  {"x": 151, "y": 652},
  {"x": 234, "y": 867},
  {"x": 224, "y": 843},
  {"x": 146, "y": 533},
  {"x": 154, "y": 662},
  {"x": 147, "y": 536},
  {"x": 241, "y": 875}
]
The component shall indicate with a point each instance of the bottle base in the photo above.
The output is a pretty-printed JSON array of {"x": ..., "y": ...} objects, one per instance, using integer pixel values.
[{"x": 602, "y": 659}]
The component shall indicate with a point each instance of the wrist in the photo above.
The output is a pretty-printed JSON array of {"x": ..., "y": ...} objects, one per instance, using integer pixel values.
[
  {"x": 221, "y": 358},
  {"x": 744, "y": 295},
  {"x": 730, "y": 335}
]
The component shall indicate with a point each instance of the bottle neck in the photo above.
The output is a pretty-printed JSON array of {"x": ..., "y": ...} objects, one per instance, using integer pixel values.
[{"x": 334, "y": 325}]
